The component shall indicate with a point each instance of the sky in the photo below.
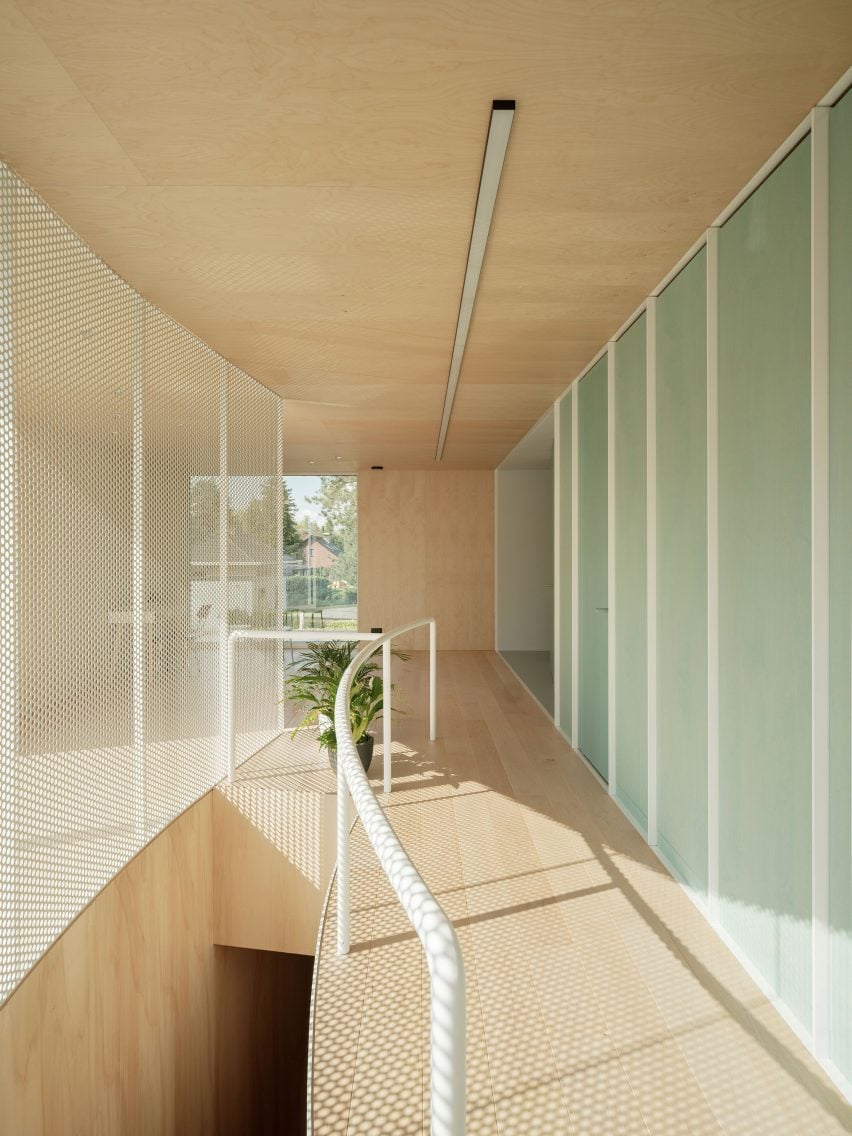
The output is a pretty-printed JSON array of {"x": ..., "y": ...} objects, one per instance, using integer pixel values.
[
  {"x": 302, "y": 487},
  {"x": 245, "y": 489}
]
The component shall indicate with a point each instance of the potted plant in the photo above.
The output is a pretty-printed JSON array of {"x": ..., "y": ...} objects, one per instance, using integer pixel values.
[{"x": 314, "y": 682}]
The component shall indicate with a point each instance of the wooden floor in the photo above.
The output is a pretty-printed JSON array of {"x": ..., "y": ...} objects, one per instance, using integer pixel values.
[{"x": 599, "y": 1000}]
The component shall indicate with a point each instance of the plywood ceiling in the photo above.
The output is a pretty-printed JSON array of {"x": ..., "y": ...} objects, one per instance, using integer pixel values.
[{"x": 295, "y": 180}]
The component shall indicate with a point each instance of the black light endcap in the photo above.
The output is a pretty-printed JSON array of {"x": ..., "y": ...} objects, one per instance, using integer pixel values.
[
  {"x": 377, "y": 467},
  {"x": 375, "y": 630},
  {"x": 503, "y": 104}
]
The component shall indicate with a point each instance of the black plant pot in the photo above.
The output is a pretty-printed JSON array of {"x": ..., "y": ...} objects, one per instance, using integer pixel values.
[{"x": 365, "y": 752}]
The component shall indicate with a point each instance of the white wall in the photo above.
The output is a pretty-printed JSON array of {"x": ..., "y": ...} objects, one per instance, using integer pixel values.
[{"x": 524, "y": 509}]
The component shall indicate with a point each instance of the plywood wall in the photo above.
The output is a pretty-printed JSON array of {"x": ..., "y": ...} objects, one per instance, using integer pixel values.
[
  {"x": 112, "y": 1032},
  {"x": 133, "y": 1016},
  {"x": 274, "y": 849},
  {"x": 426, "y": 547}
]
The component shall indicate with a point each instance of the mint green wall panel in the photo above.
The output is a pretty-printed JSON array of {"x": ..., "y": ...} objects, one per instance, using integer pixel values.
[
  {"x": 631, "y": 575},
  {"x": 593, "y": 603},
  {"x": 682, "y": 572},
  {"x": 562, "y": 428},
  {"x": 764, "y": 580},
  {"x": 840, "y": 586}
]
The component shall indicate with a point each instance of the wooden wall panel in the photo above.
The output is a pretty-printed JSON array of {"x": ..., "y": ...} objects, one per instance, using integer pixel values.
[
  {"x": 113, "y": 1030},
  {"x": 426, "y": 547},
  {"x": 121, "y": 1027},
  {"x": 263, "y": 898}
]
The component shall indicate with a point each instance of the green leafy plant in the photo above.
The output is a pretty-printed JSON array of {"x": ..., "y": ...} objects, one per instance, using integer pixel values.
[{"x": 314, "y": 681}]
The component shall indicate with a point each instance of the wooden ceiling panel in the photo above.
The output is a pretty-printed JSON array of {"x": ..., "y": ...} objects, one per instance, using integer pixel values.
[
  {"x": 296, "y": 182},
  {"x": 45, "y": 123},
  {"x": 484, "y": 403}
]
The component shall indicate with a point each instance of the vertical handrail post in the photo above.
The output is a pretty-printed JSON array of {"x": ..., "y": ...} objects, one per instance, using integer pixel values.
[
  {"x": 448, "y": 1072},
  {"x": 342, "y": 860},
  {"x": 279, "y": 559},
  {"x": 223, "y": 553},
  {"x": 13, "y": 893},
  {"x": 230, "y": 725},
  {"x": 139, "y": 629},
  {"x": 387, "y": 710},
  {"x": 433, "y": 680}
]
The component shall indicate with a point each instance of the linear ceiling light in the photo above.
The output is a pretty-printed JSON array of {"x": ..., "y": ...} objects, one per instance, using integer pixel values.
[{"x": 502, "y": 113}]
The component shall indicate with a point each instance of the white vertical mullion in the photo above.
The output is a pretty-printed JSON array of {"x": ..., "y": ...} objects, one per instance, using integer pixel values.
[
  {"x": 139, "y": 627},
  {"x": 651, "y": 538},
  {"x": 713, "y": 573},
  {"x": 610, "y": 526},
  {"x": 12, "y": 890},
  {"x": 575, "y": 565},
  {"x": 557, "y": 574},
  {"x": 387, "y": 712},
  {"x": 279, "y": 557},
  {"x": 496, "y": 559},
  {"x": 819, "y": 576},
  {"x": 224, "y": 676}
]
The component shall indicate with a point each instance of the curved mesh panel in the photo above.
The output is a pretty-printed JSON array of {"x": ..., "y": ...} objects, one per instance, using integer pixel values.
[{"x": 115, "y": 430}]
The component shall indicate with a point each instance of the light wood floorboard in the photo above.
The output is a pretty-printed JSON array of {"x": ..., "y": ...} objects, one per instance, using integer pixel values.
[{"x": 599, "y": 999}]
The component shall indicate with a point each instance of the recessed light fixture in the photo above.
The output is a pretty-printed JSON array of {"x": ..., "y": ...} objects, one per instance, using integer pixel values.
[
  {"x": 338, "y": 458},
  {"x": 502, "y": 114},
  {"x": 311, "y": 463}
]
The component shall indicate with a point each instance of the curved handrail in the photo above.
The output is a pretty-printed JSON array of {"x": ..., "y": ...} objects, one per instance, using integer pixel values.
[{"x": 433, "y": 928}]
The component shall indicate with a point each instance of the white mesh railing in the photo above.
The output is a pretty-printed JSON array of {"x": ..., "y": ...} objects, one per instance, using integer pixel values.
[{"x": 139, "y": 505}]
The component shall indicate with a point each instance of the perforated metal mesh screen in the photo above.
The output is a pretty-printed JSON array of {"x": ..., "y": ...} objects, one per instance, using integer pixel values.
[
  {"x": 181, "y": 483},
  {"x": 116, "y": 586},
  {"x": 252, "y": 556}
]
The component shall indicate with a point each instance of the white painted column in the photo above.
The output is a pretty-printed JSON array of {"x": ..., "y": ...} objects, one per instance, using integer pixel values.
[
  {"x": 651, "y": 540},
  {"x": 279, "y": 561},
  {"x": 139, "y": 627},
  {"x": 819, "y": 578},
  {"x": 387, "y": 710},
  {"x": 225, "y": 724},
  {"x": 575, "y": 565},
  {"x": 496, "y": 559},
  {"x": 12, "y": 892},
  {"x": 610, "y": 544},
  {"x": 433, "y": 681},
  {"x": 342, "y": 861},
  {"x": 557, "y": 574},
  {"x": 713, "y": 573},
  {"x": 230, "y": 700}
]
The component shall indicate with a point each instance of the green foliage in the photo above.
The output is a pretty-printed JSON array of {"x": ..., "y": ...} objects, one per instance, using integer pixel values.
[
  {"x": 340, "y": 596},
  {"x": 292, "y": 537},
  {"x": 203, "y": 507},
  {"x": 337, "y": 499},
  {"x": 298, "y": 591},
  {"x": 316, "y": 678},
  {"x": 256, "y": 517}
]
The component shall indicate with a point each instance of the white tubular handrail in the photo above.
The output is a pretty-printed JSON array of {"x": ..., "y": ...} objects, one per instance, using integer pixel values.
[{"x": 433, "y": 928}]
